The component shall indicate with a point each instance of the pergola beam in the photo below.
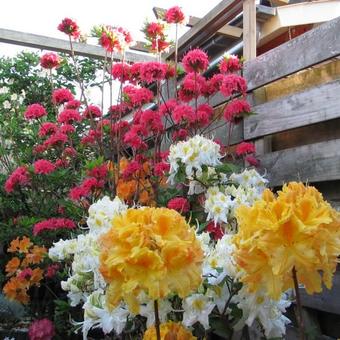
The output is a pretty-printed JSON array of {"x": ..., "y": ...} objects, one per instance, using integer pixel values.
[{"x": 60, "y": 45}]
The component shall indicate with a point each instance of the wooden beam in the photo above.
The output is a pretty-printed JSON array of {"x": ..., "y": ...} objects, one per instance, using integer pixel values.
[
  {"x": 312, "y": 106},
  {"x": 208, "y": 25},
  {"x": 322, "y": 43},
  {"x": 309, "y": 163},
  {"x": 249, "y": 29},
  {"x": 60, "y": 45}
]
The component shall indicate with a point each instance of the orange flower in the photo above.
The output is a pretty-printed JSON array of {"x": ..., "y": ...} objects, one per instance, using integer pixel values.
[
  {"x": 16, "y": 289},
  {"x": 126, "y": 189},
  {"x": 36, "y": 277},
  {"x": 169, "y": 331},
  {"x": 35, "y": 256},
  {"x": 12, "y": 266},
  {"x": 21, "y": 246}
]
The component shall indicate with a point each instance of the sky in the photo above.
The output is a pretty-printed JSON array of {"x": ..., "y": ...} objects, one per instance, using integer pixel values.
[{"x": 42, "y": 17}]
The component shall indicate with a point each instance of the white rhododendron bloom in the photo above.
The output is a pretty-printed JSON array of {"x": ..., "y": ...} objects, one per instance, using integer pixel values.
[
  {"x": 148, "y": 311},
  {"x": 220, "y": 296},
  {"x": 197, "y": 308},
  {"x": 62, "y": 250},
  {"x": 193, "y": 154},
  {"x": 249, "y": 177}
]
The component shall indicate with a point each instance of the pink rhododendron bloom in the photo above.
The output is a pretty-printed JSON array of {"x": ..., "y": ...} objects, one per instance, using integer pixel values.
[
  {"x": 159, "y": 45},
  {"x": 182, "y": 113},
  {"x": 152, "y": 121},
  {"x": 61, "y": 96},
  {"x": 25, "y": 274},
  {"x": 161, "y": 168},
  {"x": 91, "y": 137},
  {"x": 135, "y": 72},
  {"x": 191, "y": 86},
  {"x": 69, "y": 152},
  {"x": 245, "y": 148},
  {"x": 69, "y": 27},
  {"x": 179, "y": 204},
  {"x": 19, "y": 177},
  {"x": 131, "y": 169},
  {"x": 40, "y": 148},
  {"x": 216, "y": 81},
  {"x": 35, "y": 111},
  {"x": 134, "y": 137},
  {"x": 69, "y": 116},
  {"x": 52, "y": 270},
  {"x": 152, "y": 71},
  {"x": 195, "y": 60},
  {"x": 235, "y": 110},
  {"x": 167, "y": 107},
  {"x": 99, "y": 171},
  {"x": 55, "y": 139},
  {"x": 49, "y": 60},
  {"x": 136, "y": 96},
  {"x": 77, "y": 193},
  {"x": 204, "y": 114},
  {"x": 230, "y": 63},
  {"x": 121, "y": 71},
  {"x": 73, "y": 104},
  {"x": 41, "y": 330},
  {"x": 215, "y": 229},
  {"x": 174, "y": 15},
  {"x": 251, "y": 160},
  {"x": 47, "y": 128},
  {"x": 92, "y": 111},
  {"x": 53, "y": 223},
  {"x": 180, "y": 134},
  {"x": 154, "y": 30},
  {"x": 118, "y": 109},
  {"x": 61, "y": 163},
  {"x": 233, "y": 83},
  {"x": 43, "y": 167},
  {"x": 67, "y": 128}
]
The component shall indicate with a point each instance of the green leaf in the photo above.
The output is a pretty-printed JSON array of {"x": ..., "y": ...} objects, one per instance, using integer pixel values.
[
  {"x": 221, "y": 327},
  {"x": 227, "y": 168}
]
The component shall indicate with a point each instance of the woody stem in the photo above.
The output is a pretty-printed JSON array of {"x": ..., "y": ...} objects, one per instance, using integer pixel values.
[
  {"x": 157, "y": 323},
  {"x": 298, "y": 306}
]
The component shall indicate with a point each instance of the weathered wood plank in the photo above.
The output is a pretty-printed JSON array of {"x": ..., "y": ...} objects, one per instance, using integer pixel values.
[
  {"x": 313, "y": 47},
  {"x": 249, "y": 29},
  {"x": 60, "y": 45},
  {"x": 315, "y": 105},
  {"x": 309, "y": 163}
]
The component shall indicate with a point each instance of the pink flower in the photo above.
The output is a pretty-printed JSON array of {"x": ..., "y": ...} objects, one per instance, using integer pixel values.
[
  {"x": 153, "y": 71},
  {"x": 216, "y": 81},
  {"x": 121, "y": 71},
  {"x": 195, "y": 60},
  {"x": 131, "y": 169},
  {"x": 92, "y": 111},
  {"x": 53, "y": 223},
  {"x": 233, "y": 83},
  {"x": 77, "y": 193},
  {"x": 159, "y": 45},
  {"x": 174, "y": 15},
  {"x": 137, "y": 96},
  {"x": 91, "y": 137},
  {"x": 134, "y": 137},
  {"x": 57, "y": 138},
  {"x": 230, "y": 63},
  {"x": 47, "y": 128},
  {"x": 204, "y": 114},
  {"x": 181, "y": 134},
  {"x": 99, "y": 172},
  {"x": 61, "y": 163},
  {"x": 215, "y": 229},
  {"x": 67, "y": 128},
  {"x": 41, "y": 330},
  {"x": 191, "y": 86},
  {"x": 25, "y": 274},
  {"x": 61, "y": 96},
  {"x": 161, "y": 168},
  {"x": 43, "y": 167},
  {"x": 119, "y": 109},
  {"x": 73, "y": 104},
  {"x": 40, "y": 148},
  {"x": 49, "y": 60},
  {"x": 182, "y": 113},
  {"x": 235, "y": 110},
  {"x": 52, "y": 270},
  {"x": 127, "y": 35},
  {"x": 135, "y": 71},
  {"x": 85, "y": 188},
  {"x": 154, "y": 30},
  {"x": 69, "y": 27},
  {"x": 35, "y": 111},
  {"x": 251, "y": 160},
  {"x": 245, "y": 148},
  {"x": 69, "y": 116},
  {"x": 167, "y": 107},
  {"x": 152, "y": 121},
  {"x": 69, "y": 152},
  {"x": 109, "y": 39},
  {"x": 179, "y": 204},
  {"x": 20, "y": 176}
]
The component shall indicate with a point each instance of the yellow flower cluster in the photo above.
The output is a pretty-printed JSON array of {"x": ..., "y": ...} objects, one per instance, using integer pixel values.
[
  {"x": 169, "y": 331},
  {"x": 152, "y": 250},
  {"x": 298, "y": 228}
]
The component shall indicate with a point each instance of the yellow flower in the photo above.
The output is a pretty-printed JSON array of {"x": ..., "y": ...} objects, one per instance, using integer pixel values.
[
  {"x": 169, "y": 331},
  {"x": 295, "y": 229},
  {"x": 152, "y": 250}
]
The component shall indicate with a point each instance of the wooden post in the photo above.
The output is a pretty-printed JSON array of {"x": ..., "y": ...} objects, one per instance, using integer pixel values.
[{"x": 249, "y": 29}]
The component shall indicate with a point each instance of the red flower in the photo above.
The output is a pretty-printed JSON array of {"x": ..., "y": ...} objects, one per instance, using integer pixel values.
[
  {"x": 159, "y": 45},
  {"x": 204, "y": 114},
  {"x": 121, "y": 71},
  {"x": 151, "y": 121},
  {"x": 183, "y": 112},
  {"x": 109, "y": 39},
  {"x": 181, "y": 134},
  {"x": 35, "y": 111},
  {"x": 195, "y": 61},
  {"x": 235, "y": 110},
  {"x": 47, "y": 128},
  {"x": 179, "y": 204},
  {"x": 161, "y": 168},
  {"x": 56, "y": 139},
  {"x": 134, "y": 137},
  {"x": 69, "y": 116},
  {"x": 230, "y": 63},
  {"x": 43, "y": 167},
  {"x": 92, "y": 111},
  {"x": 245, "y": 148},
  {"x": 52, "y": 270},
  {"x": 191, "y": 86},
  {"x": 233, "y": 83},
  {"x": 73, "y": 104},
  {"x": 126, "y": 34},
  {"x": 53, "y": 223},
  {"x": 20, "y": 176},
  {"x": 49, "y": 60},
  {"x": 99, "y": 172},
  {"x": 154, "y": 30},
  {"x": 136, "y": 97},
  {"x": 167, "y": 107},
  {"x": 69, "y": 152},
  {"x": 77, "y": 193},
  {"x": 67, "y": 128},
  {"x": 119, "y": 109},
  {"x": 69, "y": 27},
  {"x": 61, "y": 96},
  {"x": 131, "y": 169},
  {"x": 174, "y": 15},
  {"x": 251, "y": 160},
  {"x": 40, "y": 148},
  {"x": 41, "y": 330},
  {"x": 152, "y": 71},
  {"x": 91, "y": 137},
  {"x": 135, "y": 71},
  {"x": 215, "y": 229}
]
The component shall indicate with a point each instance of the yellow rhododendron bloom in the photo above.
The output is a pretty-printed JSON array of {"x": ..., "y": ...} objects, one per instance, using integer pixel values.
[
  {"x": 152, "y": 250},
  {"x": 169, "y": 331},
  {"x": 298, "y": 228}
]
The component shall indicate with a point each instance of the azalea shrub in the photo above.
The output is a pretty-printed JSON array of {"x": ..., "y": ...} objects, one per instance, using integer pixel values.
[{"x": 132, "y": 219}]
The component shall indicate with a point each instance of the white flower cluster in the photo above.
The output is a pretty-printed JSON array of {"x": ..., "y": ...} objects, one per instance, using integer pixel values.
[
  {"x": 11, "y": 101},
  {"x": 220, "y": 204},
  {"x": 193, "y": 154},
  {"x": 86, "y": 283}
]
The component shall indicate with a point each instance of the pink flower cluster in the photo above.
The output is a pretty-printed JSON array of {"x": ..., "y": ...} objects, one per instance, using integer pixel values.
[
  {"x": 174, "y": 15},
  {"x": 235, "y": 110},
  {"x": 53, "y": 223},
  {"x": 41, "y": 330},
  {"x": 137, "y": 96},
  {"x": 195, "y": 60},
  {"x": 49, "y": 60},
  {"x": 43, "y": 167},
  {"x": 19, "y": 177},
  {"x": 179, "y": 204},
  {"x": 69, "y": 27},
  {"x": 61, "y": 96},
  {"x": 230, "y": 63},
  {"x": 35, "y": 111}
]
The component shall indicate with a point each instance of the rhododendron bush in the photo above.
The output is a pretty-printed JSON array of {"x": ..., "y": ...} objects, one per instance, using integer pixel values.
[{"x": 133, "y": 219}]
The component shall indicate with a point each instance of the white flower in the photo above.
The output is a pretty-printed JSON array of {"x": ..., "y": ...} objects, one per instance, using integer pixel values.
[
  {"x": 148, "y": 311},
  {"x": 14, "y": 97},
  {"x": 6, "y": 104},
  {"x": 62, "y": 250},
  {"x": 197, "y": 308},
  {"x": 258, "y": 306},
  {"x": 10, "y": 81},
  {"x": 249, "y": 178},
  {"x": 204, "y": 238},
  {"x": 4, "y": 90},
  {"x": 102, "y": 212},
  {"x": 193, "y": 154},
  {"x": 220, "y": 296}
]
